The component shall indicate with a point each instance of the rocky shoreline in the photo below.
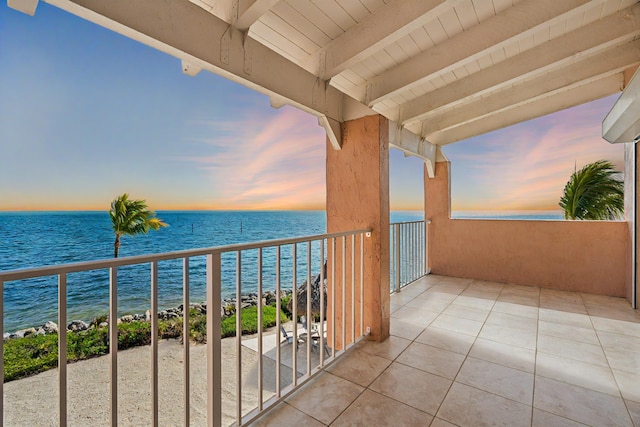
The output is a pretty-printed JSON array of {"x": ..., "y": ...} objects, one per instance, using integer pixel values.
[{"x": 227, "y": 308}]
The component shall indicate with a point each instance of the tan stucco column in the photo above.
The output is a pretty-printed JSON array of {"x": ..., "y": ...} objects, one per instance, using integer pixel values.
[{"x": 358, "y": 198}]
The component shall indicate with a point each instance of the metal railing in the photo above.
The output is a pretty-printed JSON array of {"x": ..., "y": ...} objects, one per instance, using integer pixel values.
[
  {"x": 343, "y": 254},
  {"x": 408, "y": 252}
]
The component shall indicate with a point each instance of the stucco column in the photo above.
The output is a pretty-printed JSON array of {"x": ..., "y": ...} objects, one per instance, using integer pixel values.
[
  {"x": 358, "y": 198},
  {"x": 437, "y": 209}
]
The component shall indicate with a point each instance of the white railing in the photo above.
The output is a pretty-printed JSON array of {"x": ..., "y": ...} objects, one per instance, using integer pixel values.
[
  {"x": 344, "y": 259},
  {"x": 408, "y": 252}
]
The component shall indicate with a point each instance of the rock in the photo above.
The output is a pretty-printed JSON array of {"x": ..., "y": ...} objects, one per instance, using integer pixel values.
[
  {"x": 103, "y": 324},
  {"x": 78, "y": 325},
  {"x": 127, "y": 319},
  {"x": 26, "y": 332},
  {"x": 6, "y": 336},
  {"x": 147, "y": 316},
  {"x": 301, "y": 298},
  {"x": 50, "y": 327},
  {"x": 40, "y": 331}
]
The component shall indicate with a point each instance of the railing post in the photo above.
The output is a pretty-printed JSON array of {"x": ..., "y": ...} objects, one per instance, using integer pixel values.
[
  {"x": 113, "y": 344},
  {"x": 186, "y": 330},
  {"x": 397, "y": 256},
  {"x": 239, "y": 338},
  {"x": 62, "y": 349},
  {"x": 427, "y": 269},
  {"x": 154, "y": 343},
  {"x": 214, "y": 347}
]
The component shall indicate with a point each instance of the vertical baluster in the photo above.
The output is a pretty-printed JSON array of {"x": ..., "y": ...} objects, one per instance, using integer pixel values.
[
  {"x": 333, "y": 297},
  {"x": 2, "y": 350},
  {"x": 154, "y": 343},
  {"x": 322, "y": 308},
  {"x": 362, "y": 325},
  {"x": 62, "y": 349},
  {"x": 422, "y": 248},
  {"x": 214, "y": 346},
  {"x": 344, "y": 293},
  {"x": 309, "y": 319},
  {"x": 239, "y": 338},
  {"x": 113, "y": 345},
  {"x": 260, "y": 309},
  {"x": 426, "y": 247},
  {"x": 353, "y": 288},
  {"x": 186, "y": 333},
  {"x": 278, "y": 325},
  {"x": 413, "y": 252},
  {"x": 294, "y": 298},
  {"x": 397, "y": 248}
]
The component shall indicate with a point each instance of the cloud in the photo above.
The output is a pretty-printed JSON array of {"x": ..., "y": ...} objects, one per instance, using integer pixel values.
[
  {"x": 274, "y": 161},
  {"x": 526, "y": 166}
]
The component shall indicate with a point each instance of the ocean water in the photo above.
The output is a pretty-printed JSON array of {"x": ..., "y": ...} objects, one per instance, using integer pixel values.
[{"x": 36, "y": 239}]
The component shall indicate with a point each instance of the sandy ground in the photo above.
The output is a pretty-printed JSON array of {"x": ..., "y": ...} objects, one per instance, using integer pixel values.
[{"x": 33, "y": 401}]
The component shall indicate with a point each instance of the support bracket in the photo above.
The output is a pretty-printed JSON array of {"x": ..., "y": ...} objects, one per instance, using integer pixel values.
[
  {"x": 333, "y": 129},
  {"x": 189, "y": 68},
  {"x": 24, "y": 6}
]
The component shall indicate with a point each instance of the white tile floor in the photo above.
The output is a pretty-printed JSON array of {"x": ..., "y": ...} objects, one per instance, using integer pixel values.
[{"x": 470, "y": 353}]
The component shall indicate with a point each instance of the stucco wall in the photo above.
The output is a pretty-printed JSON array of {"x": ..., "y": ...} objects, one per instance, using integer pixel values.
[{"x": 583, "y": 256}]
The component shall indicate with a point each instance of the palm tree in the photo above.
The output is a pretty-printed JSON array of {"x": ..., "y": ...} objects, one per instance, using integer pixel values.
[
  {"x": 131, "y": 217},
  {"x": 595, "y": 192}
]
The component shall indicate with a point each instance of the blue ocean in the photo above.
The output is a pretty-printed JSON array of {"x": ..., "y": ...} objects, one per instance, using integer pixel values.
[{"x": 36, "y": 239}]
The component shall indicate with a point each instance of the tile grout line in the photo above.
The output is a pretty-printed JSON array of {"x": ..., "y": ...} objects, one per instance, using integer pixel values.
[
  {"x": 615, "y": 379},
  {"x": 379, "y": 375},
  {"x": 535, "y": 360}
]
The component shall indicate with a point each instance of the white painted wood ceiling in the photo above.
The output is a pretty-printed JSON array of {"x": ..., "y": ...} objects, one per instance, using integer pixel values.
[
  {"x": 451, "y": 69},
  {"x": 441, "y": 70}
]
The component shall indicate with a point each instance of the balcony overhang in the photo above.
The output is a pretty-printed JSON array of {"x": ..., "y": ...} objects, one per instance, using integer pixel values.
[{"x": 441, "y": 70}]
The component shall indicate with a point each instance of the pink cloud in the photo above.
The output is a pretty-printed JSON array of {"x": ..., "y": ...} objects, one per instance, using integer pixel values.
[
  {"x": 261, "y": 162},
  {"x": 526, "y": 166}
]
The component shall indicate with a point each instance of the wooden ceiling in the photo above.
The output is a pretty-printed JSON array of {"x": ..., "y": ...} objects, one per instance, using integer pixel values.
[{"x": 441, "y": 70}]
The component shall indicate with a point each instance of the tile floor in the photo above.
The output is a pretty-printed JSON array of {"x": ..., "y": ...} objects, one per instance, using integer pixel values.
[{"x": 471, "y": 353}]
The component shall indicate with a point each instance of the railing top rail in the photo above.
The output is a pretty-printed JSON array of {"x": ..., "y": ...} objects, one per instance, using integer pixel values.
[
  {"x": 427, "y": 221},
  {"x": 28, "y": 273}
]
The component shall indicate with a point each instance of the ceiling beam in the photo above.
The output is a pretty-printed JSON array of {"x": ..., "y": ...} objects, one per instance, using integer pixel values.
[
  {"x": 385, "y": 26},
  {"x": 596, "y": 67},
  {"x": 559, "y": 101},
  {"x": 603, "y": 33},
  {"x": 249, "y": 11},
  {"x": 412, "y": 145},
  {"x": 516, "y": 21},
  {"x": 186, "y": 31}
]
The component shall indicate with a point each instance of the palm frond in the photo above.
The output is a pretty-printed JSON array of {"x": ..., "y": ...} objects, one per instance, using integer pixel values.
[
  {"x": 595, "y": 192},
  {"x": 132, "y": 217}
]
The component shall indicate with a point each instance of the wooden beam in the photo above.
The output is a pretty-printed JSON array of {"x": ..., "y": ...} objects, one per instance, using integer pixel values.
[
  {"x": 249, "y": 11},
  {"x": 517, "y": 21},
  {"x": 593, "y": 68},
  {"x": 565, "y": 49},
  {"x": 387, "y": 25},
  {"x": 559, "y": 101},
  {"x": 186, "y": 31},
  {"x": 412, "y": 145}
]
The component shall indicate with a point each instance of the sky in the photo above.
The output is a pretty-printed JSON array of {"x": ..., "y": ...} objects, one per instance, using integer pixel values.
[{"x": 87, "y": 114}]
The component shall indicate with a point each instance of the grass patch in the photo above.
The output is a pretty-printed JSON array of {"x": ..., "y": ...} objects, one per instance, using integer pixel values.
[
  {"x": 34, "y": 354},
  {"x": 249, "y": 318}
]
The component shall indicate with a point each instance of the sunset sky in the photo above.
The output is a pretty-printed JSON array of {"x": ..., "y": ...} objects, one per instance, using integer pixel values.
[{"x": 87, "y": 114}]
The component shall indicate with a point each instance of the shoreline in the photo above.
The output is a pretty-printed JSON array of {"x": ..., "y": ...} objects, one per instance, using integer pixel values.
[{"x": 227, "y": 308}]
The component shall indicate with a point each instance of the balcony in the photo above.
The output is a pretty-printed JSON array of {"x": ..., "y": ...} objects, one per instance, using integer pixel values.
[{"x": 466, "y": 352}]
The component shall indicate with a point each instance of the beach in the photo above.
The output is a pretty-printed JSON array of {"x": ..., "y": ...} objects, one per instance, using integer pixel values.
[{"x": 33, "y": 401}]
